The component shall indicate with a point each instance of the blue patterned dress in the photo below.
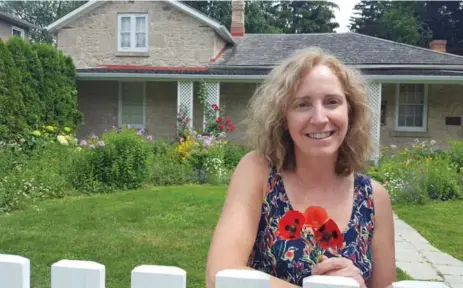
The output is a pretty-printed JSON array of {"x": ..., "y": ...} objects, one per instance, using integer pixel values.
[{"x": 292, "y": 260}]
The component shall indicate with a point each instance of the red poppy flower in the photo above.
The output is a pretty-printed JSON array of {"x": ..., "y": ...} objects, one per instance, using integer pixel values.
[
  {"x": 219, "y": 120},
  {"x": 290, "y": 225},
  {"x": 315, "y": 216},
  {"x": 329, "y": 235},
  {"x": 221, "y": 127}
]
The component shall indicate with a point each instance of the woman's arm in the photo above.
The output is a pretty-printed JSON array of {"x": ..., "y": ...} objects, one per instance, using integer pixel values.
[
  {"x": 383, "y": 245},
  {"x": 236, "y": 229}
]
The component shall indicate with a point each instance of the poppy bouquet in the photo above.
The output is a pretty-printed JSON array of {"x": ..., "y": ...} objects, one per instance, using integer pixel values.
[{"x": 314, "y": 220}]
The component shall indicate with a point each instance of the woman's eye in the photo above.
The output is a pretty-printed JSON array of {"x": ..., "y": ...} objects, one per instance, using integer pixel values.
[{"x": 333, "y": 102}]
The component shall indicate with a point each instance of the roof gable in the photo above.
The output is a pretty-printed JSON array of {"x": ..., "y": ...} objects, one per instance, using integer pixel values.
[
  {"x": 16, "y": 20},
  {"x": 220, "y": 29},
  {"x": 351, "y": 48}
]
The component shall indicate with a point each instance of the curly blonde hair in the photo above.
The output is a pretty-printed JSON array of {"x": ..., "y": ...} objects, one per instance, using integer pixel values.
[{"x": 267, "y": 117}]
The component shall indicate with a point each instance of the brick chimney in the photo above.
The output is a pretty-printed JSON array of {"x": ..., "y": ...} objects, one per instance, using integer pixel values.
[
  {"x": 237, "y": 22},
  {"x": 438, "y": 45}
]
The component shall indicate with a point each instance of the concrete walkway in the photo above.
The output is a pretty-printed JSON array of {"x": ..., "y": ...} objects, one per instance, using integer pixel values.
[{"x": 419, "y": 259}]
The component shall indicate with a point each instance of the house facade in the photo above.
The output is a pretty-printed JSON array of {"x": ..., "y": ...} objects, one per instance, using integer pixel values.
[
  {"x": 139, "y": 62},
  {"x": 11, "y": 26}
]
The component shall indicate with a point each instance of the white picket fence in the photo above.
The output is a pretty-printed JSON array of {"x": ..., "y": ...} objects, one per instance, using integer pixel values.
[{"x": 15, "y": 273}]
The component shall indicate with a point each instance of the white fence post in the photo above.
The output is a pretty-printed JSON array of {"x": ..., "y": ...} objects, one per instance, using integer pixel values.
[
  {"x": 15, "y": 271},
  {"x": 236, "y": 278},
  {"x": 154, "y": 276},
  {"x": 77, "y": 274},
  {"x": 317, "y": 281},
  {"x": 419, "y": 284}
]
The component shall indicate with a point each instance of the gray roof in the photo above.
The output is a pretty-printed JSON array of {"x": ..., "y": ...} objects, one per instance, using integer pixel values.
[
  {"x": 351, "y": 48},
  {"x": 16, "y": 20}
]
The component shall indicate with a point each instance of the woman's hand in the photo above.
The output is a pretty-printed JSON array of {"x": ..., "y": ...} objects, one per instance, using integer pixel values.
[{"x": 339, "y": 266}]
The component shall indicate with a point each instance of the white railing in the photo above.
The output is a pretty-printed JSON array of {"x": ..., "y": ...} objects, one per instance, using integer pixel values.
[{"x": 15, "y": 273}]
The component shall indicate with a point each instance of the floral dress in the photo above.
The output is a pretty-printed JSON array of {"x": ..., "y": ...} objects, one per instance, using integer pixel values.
[{"x": 292, "y": 260}]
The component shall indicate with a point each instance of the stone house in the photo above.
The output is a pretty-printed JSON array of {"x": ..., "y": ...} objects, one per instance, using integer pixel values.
[
  {"x": 11, "y": 25},
  {"x": 139, "y": 61}
]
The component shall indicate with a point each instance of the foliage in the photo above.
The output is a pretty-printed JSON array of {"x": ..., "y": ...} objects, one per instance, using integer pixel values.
[
  {"x": 37, "y": 88},
  {"x": 12, "y": 110},
  {"x": 417, "y": 174},
  {"x": 270, "y": 17},
  {"x": 411, "y": 22},
  {"x": 120, "y": 159},
  {"x": 40, "y": 13}
]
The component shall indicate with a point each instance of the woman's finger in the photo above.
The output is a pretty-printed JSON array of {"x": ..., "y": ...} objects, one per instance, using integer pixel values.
[{"x": 330, "y": 264}]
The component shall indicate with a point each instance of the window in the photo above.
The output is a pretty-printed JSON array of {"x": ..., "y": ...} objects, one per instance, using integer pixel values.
[
  {"x": 133, "y": 32},
  {"x": 132, "y": 104},
  {"x": 411, "y": 107},
  {"x": 18, "y": 32}
]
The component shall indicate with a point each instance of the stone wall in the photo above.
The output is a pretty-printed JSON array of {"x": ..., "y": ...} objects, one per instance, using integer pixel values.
[
  {"x": 443, "y": 100},
  {"x": 174, "y": 38}
]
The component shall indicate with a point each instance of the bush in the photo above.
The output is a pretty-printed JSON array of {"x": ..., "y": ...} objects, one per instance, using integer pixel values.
[
  {"x": 417, "y": 174},
  {"x": 456, "y": 155},
  {"x": 167, "y": 169},
  {"x": 121, "y": 159}
]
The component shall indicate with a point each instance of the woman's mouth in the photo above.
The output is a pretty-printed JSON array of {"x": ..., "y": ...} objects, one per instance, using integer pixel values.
[{"x": 319, "y": 136}]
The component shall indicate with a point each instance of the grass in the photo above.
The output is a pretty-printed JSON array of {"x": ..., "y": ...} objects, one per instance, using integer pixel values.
[
  {"x": 440, "y": 223},
  {"x": 159, "y": 226}
]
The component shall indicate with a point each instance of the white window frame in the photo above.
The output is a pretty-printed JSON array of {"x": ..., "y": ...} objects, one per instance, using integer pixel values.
[
  {"x": 21, "y": 30},
  {"x": 132, "y": 47},
  {"x": 119, "y": 118},
  {"x": 425, "y": 110}
]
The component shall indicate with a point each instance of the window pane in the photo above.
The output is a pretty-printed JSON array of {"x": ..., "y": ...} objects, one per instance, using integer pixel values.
[
  {"x": 418, "y": 122},
  {"x": 17, "y": 33},
  {"x": 401, "y": 120},
  {"x": 125, "y": 24},
  {"x": 125, "y": 39},
  {"x": 409, "y": 121},
  {"x": 140, "y": 27},
  {"x": 141, "y": 40},
  {"x": 402, "y": 109},
  {"x": 132, "y": 103}
]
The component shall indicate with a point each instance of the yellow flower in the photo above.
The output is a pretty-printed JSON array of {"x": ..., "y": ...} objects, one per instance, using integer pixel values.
[
  {"x": 62, "y": 140},
  {"x": 50, "y": 128},
  {"x": 36, "y": 133},
  {"x": 67, "y": 129}
]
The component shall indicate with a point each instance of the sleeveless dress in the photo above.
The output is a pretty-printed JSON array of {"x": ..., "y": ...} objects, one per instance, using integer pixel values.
[{"x": 292, "y": 260}]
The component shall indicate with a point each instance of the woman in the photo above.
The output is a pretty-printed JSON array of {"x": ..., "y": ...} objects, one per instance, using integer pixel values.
[{"x": 310, "y": 126}]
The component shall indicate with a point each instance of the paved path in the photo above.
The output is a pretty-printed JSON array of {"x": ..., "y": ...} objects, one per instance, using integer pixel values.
[{"x": 419, "y": 259}]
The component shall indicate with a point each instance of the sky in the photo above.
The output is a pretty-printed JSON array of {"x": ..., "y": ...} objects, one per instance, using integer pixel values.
[{"x": 346, "y": 9}]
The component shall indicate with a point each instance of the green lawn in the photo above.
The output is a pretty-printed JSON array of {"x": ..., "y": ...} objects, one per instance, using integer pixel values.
[
  {"x": 440, "y": 223},
  {"x": 162, "y": 226}
]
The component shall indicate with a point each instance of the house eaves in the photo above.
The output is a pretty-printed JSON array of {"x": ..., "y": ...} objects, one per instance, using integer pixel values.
[
  {"x": 220, "y": 29},
  {"x": 16, "y": 20}
]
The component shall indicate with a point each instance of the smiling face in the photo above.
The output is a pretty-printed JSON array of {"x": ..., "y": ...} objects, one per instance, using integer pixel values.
[{"x": 317, "y": 116}]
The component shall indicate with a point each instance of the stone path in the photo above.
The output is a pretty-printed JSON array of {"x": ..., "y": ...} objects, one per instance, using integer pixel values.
[{"x": 419, "y": 259}]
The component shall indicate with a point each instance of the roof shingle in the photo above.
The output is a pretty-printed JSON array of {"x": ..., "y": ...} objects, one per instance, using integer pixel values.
[{"x": 351, "y": 48}]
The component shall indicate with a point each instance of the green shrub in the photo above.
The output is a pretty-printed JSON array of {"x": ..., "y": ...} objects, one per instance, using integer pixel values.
[
  {"x": 12, "y": 110},
  {"x": 167, "y": 169},
  {"x": 456, "y": 155},
  {"x": 417, "y": 174},
  {"x": 43, "y": 175},
  {"x": 119, "y": 160},
  {"x": 233, "y": 154}
]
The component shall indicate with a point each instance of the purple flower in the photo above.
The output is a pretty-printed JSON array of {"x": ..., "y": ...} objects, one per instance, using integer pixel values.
[
  {"x": 100, "y": 143},
  {"x": 149, "y": 137},
  {"x": 94, "y": 136},
  {"x": 140, "y": 132},
  {"x": 83, "y": 143}
]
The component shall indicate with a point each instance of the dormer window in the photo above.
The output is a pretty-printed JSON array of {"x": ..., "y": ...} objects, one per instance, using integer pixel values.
[
  {"x": 133, "y": 32},
  {"x": 18, "y": 32}
]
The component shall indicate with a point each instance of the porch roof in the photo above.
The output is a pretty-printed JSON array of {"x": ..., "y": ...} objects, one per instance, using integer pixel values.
[{"x": 384, "y": 73}]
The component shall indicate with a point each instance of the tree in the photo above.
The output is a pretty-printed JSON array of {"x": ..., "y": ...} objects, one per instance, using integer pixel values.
[
  {"x": 412, "y": 22},
  {"x": 275, "y": 16},
  {"x": 40, "y": 13}
]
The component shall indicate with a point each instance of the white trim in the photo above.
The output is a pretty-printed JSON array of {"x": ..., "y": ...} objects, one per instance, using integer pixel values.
[
  {"x": 425, "y": 111},
  {"x": 23, "y": 33},
  {"x": 119, "y": 108},
  {"x": 223, "y": 78},
  {"x": 133, "y": 39},
  {"x": 92, "y": 4}
]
